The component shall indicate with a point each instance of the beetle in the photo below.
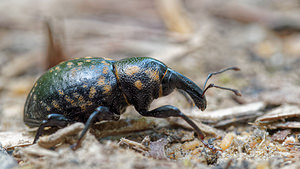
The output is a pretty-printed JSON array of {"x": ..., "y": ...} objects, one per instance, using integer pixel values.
[{"x": 94, "y": 89}]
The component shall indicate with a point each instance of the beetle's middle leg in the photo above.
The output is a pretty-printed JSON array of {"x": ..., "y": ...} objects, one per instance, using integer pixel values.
[
  {"x": 172, "y": 111},
  {"x": 101, "y": 113}
]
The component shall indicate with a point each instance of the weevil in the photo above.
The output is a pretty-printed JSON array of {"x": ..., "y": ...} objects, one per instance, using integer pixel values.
[{"x": 94, "y": 89}]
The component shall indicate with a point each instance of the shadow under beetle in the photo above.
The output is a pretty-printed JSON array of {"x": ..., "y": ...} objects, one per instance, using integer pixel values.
[{"x": 90, "y": 90}]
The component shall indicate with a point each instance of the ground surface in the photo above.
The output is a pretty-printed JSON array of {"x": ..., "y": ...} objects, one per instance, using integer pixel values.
[{"x": 258, "y": 130}]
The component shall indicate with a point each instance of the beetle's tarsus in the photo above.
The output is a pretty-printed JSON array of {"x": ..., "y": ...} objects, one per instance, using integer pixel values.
[
  {"x": 74, "y": 146},
  {"x": 211, "y": 147}
]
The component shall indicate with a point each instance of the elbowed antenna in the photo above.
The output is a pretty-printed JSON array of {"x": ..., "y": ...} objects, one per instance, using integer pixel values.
[{"x": 236, "y": 92}]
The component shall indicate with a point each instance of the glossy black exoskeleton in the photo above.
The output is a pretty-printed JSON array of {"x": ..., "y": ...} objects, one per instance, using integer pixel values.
[{"x": 94, "y": 89}]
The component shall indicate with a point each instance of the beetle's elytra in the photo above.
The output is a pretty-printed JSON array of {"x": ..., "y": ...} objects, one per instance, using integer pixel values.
[{"x": 94, "y": 89}]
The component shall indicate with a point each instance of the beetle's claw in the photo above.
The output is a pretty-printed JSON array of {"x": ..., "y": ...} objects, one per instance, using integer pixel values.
[
  {"x": 74, "y": 146},
  {"x": 212, "y": 148},
  {"x": 237, "y": 93}
]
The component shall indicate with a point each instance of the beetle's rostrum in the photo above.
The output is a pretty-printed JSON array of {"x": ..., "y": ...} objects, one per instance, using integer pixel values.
[{"x": 93, "y": 89}]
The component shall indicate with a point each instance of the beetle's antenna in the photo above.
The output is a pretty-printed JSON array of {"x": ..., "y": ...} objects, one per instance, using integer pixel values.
[
  {"x": 221, "y": 71},
  {"x": 236, "y": 92}
]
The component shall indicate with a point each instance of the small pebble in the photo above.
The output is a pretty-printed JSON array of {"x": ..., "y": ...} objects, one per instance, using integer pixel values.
[{"x": 227, "y": 141}]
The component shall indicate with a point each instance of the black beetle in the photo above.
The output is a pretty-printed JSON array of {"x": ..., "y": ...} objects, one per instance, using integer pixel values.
[{"x": 94, "y": 89}]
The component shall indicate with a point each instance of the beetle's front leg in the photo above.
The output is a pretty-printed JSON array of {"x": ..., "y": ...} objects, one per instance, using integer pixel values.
[{"x": 172, "y": 111}]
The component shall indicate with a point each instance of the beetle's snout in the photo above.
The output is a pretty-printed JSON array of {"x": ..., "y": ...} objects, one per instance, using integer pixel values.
[
  {"x": 203, "y": 106},
  {"x": 201, "y": 103}
]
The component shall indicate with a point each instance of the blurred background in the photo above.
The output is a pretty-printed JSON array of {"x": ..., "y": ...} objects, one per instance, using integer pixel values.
[{"x": 194, "y": 37}]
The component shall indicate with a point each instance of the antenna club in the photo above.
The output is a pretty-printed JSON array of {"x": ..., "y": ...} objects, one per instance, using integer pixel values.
[
  {"x": 236, "y": 69},
  {"x": 238, "y": 93}
]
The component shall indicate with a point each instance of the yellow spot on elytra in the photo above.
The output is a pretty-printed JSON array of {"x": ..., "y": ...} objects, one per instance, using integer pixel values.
[
  {"x": 57, "y": 68},
  {"x": 105, "y": 70},
  {"x": 83, "y": 107},
  {"x": 88, "y": 60},
  {"x": 51, "y": 70},
  {"x": 138, "y": 84},
  {"x": 88, "y": 57},
  {"x": 68, "y": 99},
  {"x": 82, "y": 103},
  {"x": 101, "y": 81},
  {"x": 89, "y": 103},
  {"x": 81, "y": 99},
  {"x": 153, "y": 74},
  {"x": 107, "y": 89},
  {"x": 76, "y": 95},
  {"x": 84, "y": 86},
  {"x": 104, "y": 62},
  {"x": 92, "y": 92},
  {"x": 69, "y": 64},
  {"x": 61, "y": 92},
  {"x": 132, "y": 70},
  {"x": 35, "y": 84},
  {"x": 79, "y": 63},
  {"x": 55, "y": 104},
  {"x": 48, "y": 108}
]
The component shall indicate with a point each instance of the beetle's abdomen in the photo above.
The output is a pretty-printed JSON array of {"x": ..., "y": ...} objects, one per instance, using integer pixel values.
[{"x": 73, "y": 88}]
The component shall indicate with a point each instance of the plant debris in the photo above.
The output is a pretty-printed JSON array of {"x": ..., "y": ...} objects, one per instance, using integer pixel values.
[
  {"x": 157, "y": 149},
  {"x": 9, "y": 140},
  {"x": 60, "y": 135},
  {"x": 285, "y": 116},
  {"x": 280, "y": 135}
]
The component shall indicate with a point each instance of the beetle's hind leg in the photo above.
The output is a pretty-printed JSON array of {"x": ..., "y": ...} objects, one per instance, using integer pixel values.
[
  {"x": 53, "y": 120},
  {"x": 172, "y": 111},
  {"x": 101, "y": 113}
]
